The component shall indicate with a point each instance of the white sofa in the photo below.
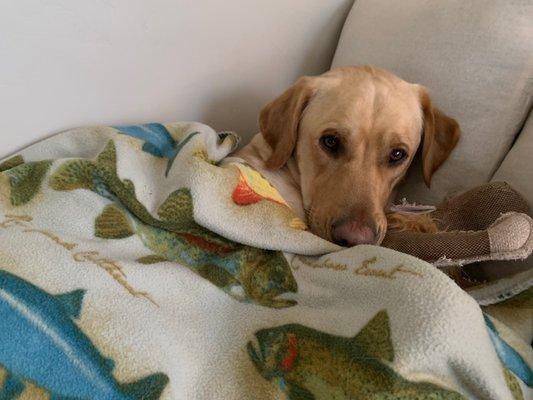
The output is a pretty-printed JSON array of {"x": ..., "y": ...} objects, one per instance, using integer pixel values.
[
  {"x": 71, "y": 63},
  {"x": 66, "y": 63}
]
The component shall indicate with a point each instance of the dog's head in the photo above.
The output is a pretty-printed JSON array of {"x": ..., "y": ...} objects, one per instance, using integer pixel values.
[{"x": 354, "y": 132}]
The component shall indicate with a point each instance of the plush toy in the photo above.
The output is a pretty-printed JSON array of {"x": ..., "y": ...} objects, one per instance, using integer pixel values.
[{"x": 489, "y": 222}]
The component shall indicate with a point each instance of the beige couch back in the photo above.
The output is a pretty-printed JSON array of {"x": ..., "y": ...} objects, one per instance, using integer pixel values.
[{"x": 476, "y": 58}]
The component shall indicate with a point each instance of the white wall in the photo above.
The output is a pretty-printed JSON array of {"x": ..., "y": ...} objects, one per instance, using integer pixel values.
[{"x": 66, "y": 63}]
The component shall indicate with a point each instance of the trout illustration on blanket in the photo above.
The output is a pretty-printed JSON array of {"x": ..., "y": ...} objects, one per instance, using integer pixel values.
[
  {"x": 308, "y": 364},
  {"x": 262, "y": 275},
  {"x": 40, "y": 343}
]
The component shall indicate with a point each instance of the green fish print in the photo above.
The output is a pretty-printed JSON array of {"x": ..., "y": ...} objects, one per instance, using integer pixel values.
[
  {"x": 513, "y": 385},
  {"x": 310, "y": 365},
  {"x": 11, "y": 163},
  {"x": 261, "y": 275},
  {"x": 25, "y": 178}
]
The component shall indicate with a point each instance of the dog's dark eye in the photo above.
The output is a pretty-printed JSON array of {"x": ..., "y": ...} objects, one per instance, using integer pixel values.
[
  {"x": 396, "y": 156},
  {"x": 330, "y": 143}
]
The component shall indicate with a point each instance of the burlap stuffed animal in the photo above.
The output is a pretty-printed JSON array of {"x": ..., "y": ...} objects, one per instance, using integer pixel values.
[{"x": 490, "y": 222}]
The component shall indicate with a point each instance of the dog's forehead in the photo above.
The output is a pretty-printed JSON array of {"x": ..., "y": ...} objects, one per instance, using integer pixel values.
[{"x": 365, "y": 103}]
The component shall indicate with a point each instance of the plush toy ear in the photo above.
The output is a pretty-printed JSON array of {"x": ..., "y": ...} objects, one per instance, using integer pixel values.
[
  {"x": 441, "y": 134},
  {"x": 279, "y": 120}
]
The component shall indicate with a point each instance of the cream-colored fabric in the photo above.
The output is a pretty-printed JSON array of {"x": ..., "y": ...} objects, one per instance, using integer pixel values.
[
  {"x": 511, "y": 233},
  {"x": 476, "y": 58},
  {"x": 517, "y": 167},
  {"x": 199, "y": 312}
]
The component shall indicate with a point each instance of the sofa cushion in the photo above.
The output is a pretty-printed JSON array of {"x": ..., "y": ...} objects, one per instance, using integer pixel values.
[
  {"x": 475, "y": 57},
  {"x": 517, "y": 167}
]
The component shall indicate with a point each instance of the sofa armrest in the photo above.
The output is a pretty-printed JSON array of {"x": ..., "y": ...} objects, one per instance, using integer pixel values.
[{"x": 517, "y": 166}]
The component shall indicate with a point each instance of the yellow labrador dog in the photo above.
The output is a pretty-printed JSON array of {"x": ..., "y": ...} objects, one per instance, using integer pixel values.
[{"x": 336, "y": 145}]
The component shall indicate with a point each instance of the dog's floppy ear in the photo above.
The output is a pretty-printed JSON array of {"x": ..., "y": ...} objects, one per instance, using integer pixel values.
[
  {"x": 280, "y": 118},
  {"x": 441, "y": 134}
]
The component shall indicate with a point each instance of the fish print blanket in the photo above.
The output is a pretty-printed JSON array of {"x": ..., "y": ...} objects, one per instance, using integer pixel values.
[{"x": 140, "y": 262}]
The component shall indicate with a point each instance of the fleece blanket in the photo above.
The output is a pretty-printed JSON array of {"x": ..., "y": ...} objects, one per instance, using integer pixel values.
[{"x": 139, "y": 262}]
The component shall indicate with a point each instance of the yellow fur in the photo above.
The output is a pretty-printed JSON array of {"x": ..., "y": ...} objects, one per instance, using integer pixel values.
[{"x": 411, "y": 222}]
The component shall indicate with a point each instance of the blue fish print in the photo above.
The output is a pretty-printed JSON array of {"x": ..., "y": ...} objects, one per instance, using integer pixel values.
[
  {"x": 157, "y": 140},
  {"x": 40, "y": 343},
  {"x": 509, "y": 356}
]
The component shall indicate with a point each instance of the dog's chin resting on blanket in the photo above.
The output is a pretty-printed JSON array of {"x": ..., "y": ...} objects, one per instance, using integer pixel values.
[
  {"x": 336, "y": 145},
  {"x": 326, "y": 150}
]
